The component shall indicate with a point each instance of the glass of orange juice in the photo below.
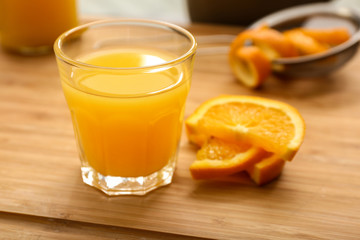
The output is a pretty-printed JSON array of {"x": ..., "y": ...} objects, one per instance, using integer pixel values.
[
  {"x": 31, "y": 26},
  {"x": 126, "y": 83}
]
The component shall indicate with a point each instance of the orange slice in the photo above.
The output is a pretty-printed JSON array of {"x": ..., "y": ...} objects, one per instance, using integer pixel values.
[
  {"x": 266, "y": 170},
  {"x": 272, "y": 125},
  {"x": 219, "y": 158},
  {"x": 331, "y": 36},
  {"x": 305, "y": 44},
  {"x": 250, "y": 66}
]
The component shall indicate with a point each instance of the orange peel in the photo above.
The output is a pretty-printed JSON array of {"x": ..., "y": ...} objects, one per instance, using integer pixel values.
[
  {"x": 270, "y": 41},
  {"x": 305, "y": 44},
  {"x": 250, "y": 66},
  {"x": 331, "y": 36}
]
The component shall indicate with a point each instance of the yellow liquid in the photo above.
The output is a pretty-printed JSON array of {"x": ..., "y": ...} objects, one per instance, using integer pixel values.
[{"x": 127, "y": 124}]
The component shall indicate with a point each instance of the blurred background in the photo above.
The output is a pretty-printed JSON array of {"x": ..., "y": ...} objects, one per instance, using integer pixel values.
[
  {"x": 29, "y": 29},
  {"x": 238, "y": 12},
  {"x": 166, "y": 10}
]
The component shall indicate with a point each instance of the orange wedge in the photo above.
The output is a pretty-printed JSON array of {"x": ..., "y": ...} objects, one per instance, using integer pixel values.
[
  {"x": 250, "y": 66},
  {"x": 268, "y": 124},
  {"x": 331, "y": 36},
  {"x": 219, "y": 158},
  {"x": 305, "y": 44},
  {"x": 266, "y": 170}
]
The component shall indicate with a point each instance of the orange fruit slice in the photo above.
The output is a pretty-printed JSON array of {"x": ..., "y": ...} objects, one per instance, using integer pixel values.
[
  {"x": 305, "y": 44},
  {"x": 266, "y": 170},
  {"x": 250, "y": 66},
  {"x": 272, "y": 125},
  {"x": 219, "y": 158}
]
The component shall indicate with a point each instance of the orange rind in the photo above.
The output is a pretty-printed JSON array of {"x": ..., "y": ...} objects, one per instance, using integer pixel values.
[
  {"x": 253, "y": 50},
  {"x": 305, "y": 44},
  {"x": 270, "y": 41},
  {"x": 250, "y": 66},
  {"x": 331, "y": 36}
]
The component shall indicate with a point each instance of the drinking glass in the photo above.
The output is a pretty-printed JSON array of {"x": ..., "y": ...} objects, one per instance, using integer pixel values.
[{"x": 126, "y": 83}]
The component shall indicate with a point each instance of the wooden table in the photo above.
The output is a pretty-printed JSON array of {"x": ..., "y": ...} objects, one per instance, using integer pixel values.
[{"x": 42, "y": 195}]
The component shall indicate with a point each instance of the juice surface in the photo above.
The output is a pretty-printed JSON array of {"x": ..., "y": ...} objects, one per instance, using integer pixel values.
[
  {"x": 129, "y": 83},
  {"x": 127, "y": 122},
  {"x": 35, "y": 23}
]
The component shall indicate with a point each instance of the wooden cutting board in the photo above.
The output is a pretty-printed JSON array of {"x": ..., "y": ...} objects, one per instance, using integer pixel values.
[{"x": 317, "y": 196}]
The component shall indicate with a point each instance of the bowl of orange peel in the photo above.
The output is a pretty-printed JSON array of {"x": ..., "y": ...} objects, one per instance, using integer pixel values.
[{"x": 307, "y": 41}]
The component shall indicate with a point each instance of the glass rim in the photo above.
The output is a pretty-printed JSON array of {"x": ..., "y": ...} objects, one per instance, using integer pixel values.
[{"x": 60, "y": 54}]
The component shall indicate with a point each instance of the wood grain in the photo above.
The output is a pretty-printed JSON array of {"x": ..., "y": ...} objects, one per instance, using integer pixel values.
[
  {"x": 317, "y": 196},
  {"x": 25, "y": 227}
]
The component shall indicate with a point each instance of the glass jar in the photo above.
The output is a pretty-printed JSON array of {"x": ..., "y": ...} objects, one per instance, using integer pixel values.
[{"x": 31, "y": 27}]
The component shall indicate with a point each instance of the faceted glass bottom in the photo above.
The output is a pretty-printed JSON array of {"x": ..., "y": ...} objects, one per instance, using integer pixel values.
[{"x": 112, "y": 185}]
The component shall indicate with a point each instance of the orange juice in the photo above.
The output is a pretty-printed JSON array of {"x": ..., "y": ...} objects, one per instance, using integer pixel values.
[
  {"x": 30, "y": 26},
  {"x": 127, "y": 124}
]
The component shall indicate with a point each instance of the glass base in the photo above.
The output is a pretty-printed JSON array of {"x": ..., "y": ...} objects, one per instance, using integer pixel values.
[{"x": 113, "y": 186}]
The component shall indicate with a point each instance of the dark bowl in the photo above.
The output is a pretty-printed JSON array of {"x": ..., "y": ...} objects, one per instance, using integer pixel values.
[{"x": 321, "y": 15}]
